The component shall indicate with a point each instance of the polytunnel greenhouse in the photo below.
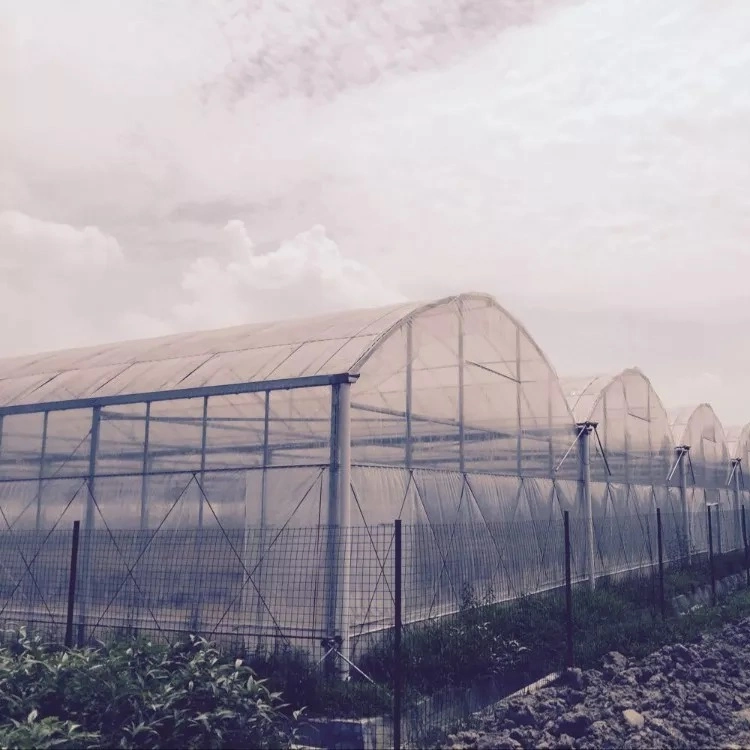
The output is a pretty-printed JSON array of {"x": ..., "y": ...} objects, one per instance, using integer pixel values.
[{"x": 219, "y": 476}]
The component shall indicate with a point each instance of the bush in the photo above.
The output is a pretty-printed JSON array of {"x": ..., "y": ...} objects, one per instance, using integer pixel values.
[
  {"x": 304, "y": 683},
  {"x": 135, "y": 695}
]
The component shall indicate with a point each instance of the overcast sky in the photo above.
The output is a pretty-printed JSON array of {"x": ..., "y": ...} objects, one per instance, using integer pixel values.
[{"x": 173, "y": 164}]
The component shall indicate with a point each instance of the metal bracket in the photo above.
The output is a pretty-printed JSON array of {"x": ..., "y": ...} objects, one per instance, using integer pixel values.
[
  {"x": 601, "y": 448},
  {"x": 333, "y": 647}
]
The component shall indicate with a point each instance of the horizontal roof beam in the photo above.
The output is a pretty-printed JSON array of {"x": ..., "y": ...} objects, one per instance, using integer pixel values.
[{"x": 285, "y": 384}]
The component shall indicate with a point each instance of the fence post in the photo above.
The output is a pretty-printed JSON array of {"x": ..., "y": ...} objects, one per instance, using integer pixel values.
[
  {"x": 747, "y": 552},
  {"x": 659, "y": 539},
  {"x": 397, "y": 672},
  {"x": 72, "y": 584},
  {"x": 711, "y": 557},
  {"x": 569, "y": 659}
]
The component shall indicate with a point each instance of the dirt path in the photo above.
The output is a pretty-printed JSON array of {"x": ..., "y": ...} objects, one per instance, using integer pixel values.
[{"x": 695, "y": 695}]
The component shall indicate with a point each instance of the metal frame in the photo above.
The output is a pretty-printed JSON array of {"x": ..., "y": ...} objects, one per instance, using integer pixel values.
[
  {"x": 42, "y": 462},
  {"x": 145, "y": 467},
  {"x": 285, "y": 384},
  {"x": 584, "y": 438},
  {"x": 408, "y": 395},
  {"x": 338, "y": 543},
  {"x": 89, "y": 522}
]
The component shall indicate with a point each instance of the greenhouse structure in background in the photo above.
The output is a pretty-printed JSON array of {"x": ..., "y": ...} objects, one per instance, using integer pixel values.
[{"x": 217, "y": 475}]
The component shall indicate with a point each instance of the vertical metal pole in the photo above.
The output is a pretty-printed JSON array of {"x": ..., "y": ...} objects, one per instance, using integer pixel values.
[
  {"x": 89, "y": 524},
  {"x": 747, "y": 552},
  {"x": 198, "y": 601},
  {"x": 40, "y": 481},
  {"x": 682, "y": 458},
  {"x": 585, "y": 430},
  {"x": 339, "y": 520},
  {"x": 719, "y": 511},
  {"x": 344, "y": 494},
  {"x": 551, "y": 426},
  {"x": 145, "y": 464},
  {"x": 461, "y": 376},
  {"x": 659, "y": 541},
  {"x": 408, "y": 447},
  {"x": 261, "y": 540},
  {"x": 711, "y": 556},
  {"x": 72, "y": 584},
  {"x": 569, "y": 658},
  {"x": 626, "y": 462},
  {"x": 397, "y": 627},
  {"x": 736, "y": 471},
  {"x": 204, "y": 434},
  {"x": 332, "y": 536},
  {"x": 519, "y": 415},
  {"x": 143, "y": 520}
]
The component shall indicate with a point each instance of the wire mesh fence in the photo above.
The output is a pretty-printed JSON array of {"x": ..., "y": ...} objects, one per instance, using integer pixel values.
[{"x": 401, "y": 630}]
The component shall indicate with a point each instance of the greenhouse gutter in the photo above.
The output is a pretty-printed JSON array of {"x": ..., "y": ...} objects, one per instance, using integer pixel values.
[{"x": 285, "y": 384}]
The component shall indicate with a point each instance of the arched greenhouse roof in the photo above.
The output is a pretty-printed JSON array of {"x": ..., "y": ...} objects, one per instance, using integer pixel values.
[
  {"x": 701, "y": 430},
  {"x": 738, "y": 444},
  {"x": 284, "y": 350},
  {"x": 454, "y": 383},
  {"x": 277, "y": 354},
  {"x": 633, "y": 424}
]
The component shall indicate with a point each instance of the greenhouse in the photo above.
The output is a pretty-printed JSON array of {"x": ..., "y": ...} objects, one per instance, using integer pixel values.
[{"x": 216, "y": 474}]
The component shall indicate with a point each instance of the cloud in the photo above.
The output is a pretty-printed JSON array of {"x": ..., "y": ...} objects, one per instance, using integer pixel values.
[
  {"x": 321, "y": 48},
  {"x": 86, "y": 289},
  {"x": 57, "y": 282},
  {"x": 306, "y": 275},
  {"x": 590, "y": 159},
  {"x": 53, "y": 245}
]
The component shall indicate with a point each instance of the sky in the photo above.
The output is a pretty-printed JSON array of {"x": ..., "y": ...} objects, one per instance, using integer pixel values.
[{"x": 167, "y": 165}]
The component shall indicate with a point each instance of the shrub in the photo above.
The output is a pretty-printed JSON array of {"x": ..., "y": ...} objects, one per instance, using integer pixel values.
[{"x": 135, "y": 695}]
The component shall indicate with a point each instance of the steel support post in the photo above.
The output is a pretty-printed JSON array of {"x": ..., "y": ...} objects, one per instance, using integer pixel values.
[
  {"x": 584, "y": 431},
  {"x": 339, "y": 523},
  {"x": 409, "y": 388},
  {"x": 683, "y": 452},
  {"x": 89, "y": 524},
  {"x": 736, "y": 490},
  {"x": 259, "y": 544},
  {"x": 40, "y": 482},
  {"x": 145, "y": 463}
]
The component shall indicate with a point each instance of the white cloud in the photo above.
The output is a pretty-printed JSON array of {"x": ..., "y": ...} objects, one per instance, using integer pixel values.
[
  {"x": 306, "y": 275},
  {"x": 26, "y": 239},
  {"x": 58, "y": 283},
  {"x": 592, "y": 159},
  {"x": 85, "y": 289}
]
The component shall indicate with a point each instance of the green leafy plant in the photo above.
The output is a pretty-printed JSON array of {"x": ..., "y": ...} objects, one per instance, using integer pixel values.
[
  {"x": 44, "y": 734},
  {"x": 132, "y": 695}
]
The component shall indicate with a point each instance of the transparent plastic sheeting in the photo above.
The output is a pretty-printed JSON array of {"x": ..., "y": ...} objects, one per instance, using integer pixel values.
[
  {"x": 738, "y": 445},
  {"x": 454, "y": 385},
  {"x": 257, "y": 541},
  {"x": 633, "y": 426},
  {"x": 291, "y": 349},
  {"x": 461, "y": 385},
  {"x": 457, "y": 420},
  {"x": 701, "y": 429}
]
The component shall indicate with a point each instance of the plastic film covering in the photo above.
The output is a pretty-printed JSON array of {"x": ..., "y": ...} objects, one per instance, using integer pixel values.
[
  {"x": 251, "y": 430},
  {"x": 460, "y": 385},
  {"x": 323, "y": 345},
  {"x": 633, "y": 426},
  {"x": 459, "y": 427},
  {"x": 701, "y": 429},
  {"x": 738, "y": 445}
]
